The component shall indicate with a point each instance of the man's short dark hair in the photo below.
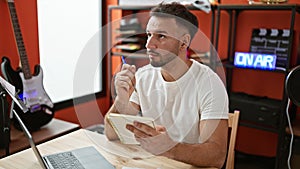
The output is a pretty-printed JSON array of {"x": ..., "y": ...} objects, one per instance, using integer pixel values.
[{"x": 180, "y": 11}]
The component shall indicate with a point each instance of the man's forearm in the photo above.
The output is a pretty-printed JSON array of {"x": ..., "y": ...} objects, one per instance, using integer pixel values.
[
  {"x": 108, "y": 130},
  {"x": 206, "y": 154},
  {"x": 124, "y": 106}
]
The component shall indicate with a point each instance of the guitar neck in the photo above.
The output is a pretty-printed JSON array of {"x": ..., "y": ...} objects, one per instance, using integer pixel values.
[{"x": 19, "y": 40}]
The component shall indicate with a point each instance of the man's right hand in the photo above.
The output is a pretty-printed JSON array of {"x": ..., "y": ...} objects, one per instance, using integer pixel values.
[{"x": 125, "y": 81}]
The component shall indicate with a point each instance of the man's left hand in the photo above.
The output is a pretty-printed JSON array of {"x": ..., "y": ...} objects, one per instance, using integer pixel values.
[{"x": 154, "y": 140}]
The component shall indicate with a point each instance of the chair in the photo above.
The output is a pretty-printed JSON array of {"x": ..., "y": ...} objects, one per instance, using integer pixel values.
[{"x": 233, "y": 121}]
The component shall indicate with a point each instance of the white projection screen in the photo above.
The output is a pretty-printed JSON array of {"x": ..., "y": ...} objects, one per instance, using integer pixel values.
[{"x": 65, "y": 28}]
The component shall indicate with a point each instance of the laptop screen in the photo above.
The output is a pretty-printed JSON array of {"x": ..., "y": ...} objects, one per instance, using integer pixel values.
[{"x": 31, "y": 142}]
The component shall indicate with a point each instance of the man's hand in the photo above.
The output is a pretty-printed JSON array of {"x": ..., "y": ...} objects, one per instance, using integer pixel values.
[
  {"x": 124, "y": 86},
  {"x": 124, "y": 80},
  {"x": 154, "y": 140}
]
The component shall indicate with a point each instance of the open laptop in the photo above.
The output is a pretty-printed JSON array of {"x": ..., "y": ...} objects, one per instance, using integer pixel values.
[{"x": 82, "y": 158}]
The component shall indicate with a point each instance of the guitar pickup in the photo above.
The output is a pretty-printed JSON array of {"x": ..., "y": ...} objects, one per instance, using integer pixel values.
[{"x": 35, "y": 108}]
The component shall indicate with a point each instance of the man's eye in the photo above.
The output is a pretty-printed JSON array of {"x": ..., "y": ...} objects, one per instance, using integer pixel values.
[
  {"x": 161, "y": 36},
  {"x": 148, "y": 34}
]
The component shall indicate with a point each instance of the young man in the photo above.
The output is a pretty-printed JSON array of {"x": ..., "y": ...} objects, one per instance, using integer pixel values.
[{"x": 187, "y": 99}]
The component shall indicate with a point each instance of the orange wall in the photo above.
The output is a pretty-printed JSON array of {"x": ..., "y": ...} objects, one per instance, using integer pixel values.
[{"x": 249, "y": 140}]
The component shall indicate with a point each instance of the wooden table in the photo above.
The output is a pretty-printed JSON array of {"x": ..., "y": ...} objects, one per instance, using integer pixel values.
[
  {"x": 116, "y": 153},
  {"x": 53, "y": 129}
]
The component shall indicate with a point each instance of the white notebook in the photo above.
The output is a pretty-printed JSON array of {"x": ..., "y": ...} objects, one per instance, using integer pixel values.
[{"x": 119, "y": 121}]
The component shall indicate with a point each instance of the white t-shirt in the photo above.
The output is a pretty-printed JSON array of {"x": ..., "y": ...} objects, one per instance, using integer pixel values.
[{"x": 180, "y": 105}]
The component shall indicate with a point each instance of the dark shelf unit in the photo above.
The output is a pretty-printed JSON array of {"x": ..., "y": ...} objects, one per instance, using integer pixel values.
[{"x": 234, "y": 11}]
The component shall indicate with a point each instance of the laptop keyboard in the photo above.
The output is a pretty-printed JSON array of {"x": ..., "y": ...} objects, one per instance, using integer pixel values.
[{"x": 65, "y": 160}]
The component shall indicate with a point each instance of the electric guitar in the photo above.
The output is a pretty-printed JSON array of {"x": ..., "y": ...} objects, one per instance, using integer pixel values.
[{"x": 31, "y": 90}]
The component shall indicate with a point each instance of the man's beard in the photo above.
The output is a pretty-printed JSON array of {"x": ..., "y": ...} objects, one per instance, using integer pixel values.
[
  {"x": 163, "y": 58},
  {"x": 162, "y": 62}
]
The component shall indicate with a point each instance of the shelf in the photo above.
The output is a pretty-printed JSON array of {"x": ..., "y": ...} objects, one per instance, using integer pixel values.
[
  {"x": 127, "y": 40},
  {"x": 296, "y": 129},
  {"x": 261, "y": 127},
  {"x": 129, "y": 47},
  {"x": 148, "y": 7},
  {"x": 234, "y": 12},
  {"x": 260, "y": 7},
  {"x": 229, "y": 65},
  {"x": 223, "y": 7},
  {"x": 130, "y": 7},
  {"x": 131, "y": 55},
  {"x": 129, "y": 32}
]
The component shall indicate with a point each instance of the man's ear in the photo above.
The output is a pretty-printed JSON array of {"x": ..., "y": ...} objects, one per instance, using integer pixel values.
[{"x": 185, "y": 39}]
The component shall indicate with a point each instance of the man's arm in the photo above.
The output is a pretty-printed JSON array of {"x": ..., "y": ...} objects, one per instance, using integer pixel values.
[
  {"x": 124, "y": 87},
  {"x": 210, "y": 153}
]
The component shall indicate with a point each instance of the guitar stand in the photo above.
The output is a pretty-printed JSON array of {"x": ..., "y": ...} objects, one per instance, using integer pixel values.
[{"x": 5, "y": 127}]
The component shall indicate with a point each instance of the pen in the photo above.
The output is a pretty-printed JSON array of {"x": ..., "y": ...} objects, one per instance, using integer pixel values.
[{"x": 124, "y": 62}]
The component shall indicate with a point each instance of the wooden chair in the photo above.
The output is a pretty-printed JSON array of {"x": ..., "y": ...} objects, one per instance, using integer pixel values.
[{"x": 233, "y": 125}]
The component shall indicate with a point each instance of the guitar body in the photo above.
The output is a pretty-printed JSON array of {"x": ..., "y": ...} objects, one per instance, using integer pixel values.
[
  {"x": 10, "y": 75},
  {"x": 33, "y": 94}
]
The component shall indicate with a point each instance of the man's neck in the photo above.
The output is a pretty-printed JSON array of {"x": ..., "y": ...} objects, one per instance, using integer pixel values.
[{"x": 175, "y": 69}]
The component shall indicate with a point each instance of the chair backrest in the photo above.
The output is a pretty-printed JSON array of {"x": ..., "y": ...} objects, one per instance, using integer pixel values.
[{"x": 233, "y": 121}]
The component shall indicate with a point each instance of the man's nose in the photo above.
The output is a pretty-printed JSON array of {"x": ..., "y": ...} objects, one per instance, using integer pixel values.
[{"x": 151, "y": 44}]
